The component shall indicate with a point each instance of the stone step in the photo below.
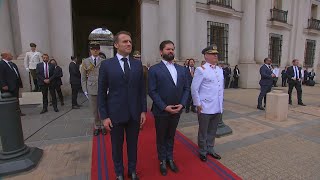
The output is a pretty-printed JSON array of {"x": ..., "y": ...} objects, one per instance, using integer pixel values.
[{"x": 31, "y": 98}]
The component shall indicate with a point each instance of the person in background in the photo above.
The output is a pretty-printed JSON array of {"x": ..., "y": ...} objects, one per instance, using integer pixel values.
[
  {"x": 102, "y": 55},
  {"x": 10, "y": 79},
  {"x": 294, "y": 73},
  {"x": 31, "y": 60},
  {"x": 284, "y": 77},
  {"x": 190, "y": 71},
  {"x": 203, "y": 62},
  {"x": 236, "y": 75},
  {"x": 275, "y": 71},
  {"x": 75, "y": 81},
  {"x": 227, "y": 75},
  {"x": 57, "y": 81},
  {"x": 312, "y": 74},
  {"x": 305, "y": 76},
  {"x": 186, "y": 63}
]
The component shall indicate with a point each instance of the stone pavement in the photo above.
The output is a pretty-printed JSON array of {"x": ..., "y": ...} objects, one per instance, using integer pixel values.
[{"x": 257, "y": 149}]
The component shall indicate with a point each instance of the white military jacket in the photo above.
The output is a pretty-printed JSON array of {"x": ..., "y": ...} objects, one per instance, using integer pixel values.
[
  {"x": 32, "y": 59},
  {"x": 207, "y": 88}
]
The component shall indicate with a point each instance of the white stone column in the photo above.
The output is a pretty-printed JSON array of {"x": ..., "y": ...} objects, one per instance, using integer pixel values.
[
  {"x": 6, "y": 42},
  {"x": 33, "y": 21},
  {"x": 248, "y": 68},
  {"x": 261, "y": 34},
  {"x": 168, "y": 22},
  {"x": 187, "y": 29}
]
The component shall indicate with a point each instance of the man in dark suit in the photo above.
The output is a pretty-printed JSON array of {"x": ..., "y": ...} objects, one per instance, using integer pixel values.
[
  {"x": 75, "y": 81},
  {"x": 266, "y": 82},
  {"x": 10, "y": 80},
  {"x": 57, "y": 81},
  {"x": 46, "y": 77},
  {"x": 227, "y": 76},
  {"x": 122, "y": 102},
  {"x": 169, "y": 89},
  {"x": 294, "y": 80},
  {"x": 190, "y": 72}
]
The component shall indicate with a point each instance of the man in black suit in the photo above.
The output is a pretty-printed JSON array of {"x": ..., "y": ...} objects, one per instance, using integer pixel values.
[
  {"x": 122, "y": 102},
  {"x": 169, "y": 89},
  {"x": 75, "y": 81},
  {"x": 10, "y": 80},
  {"x": 227, "y": 75},
  {"x": 190, "y": 71},
  {"x": 46, "y": 77},
  {"x": 266, "y": 82},
  {"x": 294, "y": 80}
]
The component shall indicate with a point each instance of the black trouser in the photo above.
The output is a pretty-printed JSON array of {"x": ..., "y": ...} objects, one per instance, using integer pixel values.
[
  {"x": 44, "y": 90},
  {"x": 166, "y": 129},
  {"x": 311, "y": 78},
  {"x": 297, "y": 85},
  {"x": 284, "y": 81},
  {"x": 58, "y": 90},
  {"x": 75, "y": 90},
  {"x": 263, "y": 94},
  {"x": 226, "y": 82},
  {"x": 190, "y": 103},
  {"x": 131, "y": 129},
  {"x": 235, "y": 81},
  {"x": 275, "y": 80},
  {"x": 34, "y": 78}
]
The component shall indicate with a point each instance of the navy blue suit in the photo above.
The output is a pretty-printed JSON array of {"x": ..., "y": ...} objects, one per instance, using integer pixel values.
[
  {"x": 122, "y": 100},
  {"x": 266, "y": 82},
  {"x": 164, "y": 92}
]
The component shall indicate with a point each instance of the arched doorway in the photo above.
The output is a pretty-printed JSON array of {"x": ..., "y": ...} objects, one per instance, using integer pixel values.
[
  {"x": 116, "y": 15},
  {"x": 105, "y": 39}
]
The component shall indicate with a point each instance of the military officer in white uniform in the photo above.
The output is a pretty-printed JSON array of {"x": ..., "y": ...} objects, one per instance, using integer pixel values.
[
  {"x": 207, "y": 94},
  {"x": 31, "y": 60},
  {"x": 89, "y": 82}
]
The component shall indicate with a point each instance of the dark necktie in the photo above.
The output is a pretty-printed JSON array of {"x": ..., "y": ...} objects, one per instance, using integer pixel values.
[
  {"x": 47, "y": 74},
  {"x": 126, "y": 67},
  {"x": 95, "y": 62},
  {"x": 297, "y": 73}
]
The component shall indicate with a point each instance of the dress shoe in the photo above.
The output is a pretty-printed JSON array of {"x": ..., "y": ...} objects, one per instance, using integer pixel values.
[
  {"x": 96, "y": 132},
  {"x": 62, "y": 103},
  {"x": 75, "y": 107},
  {"x": 215, "y": 155},
  {"x": 120, "y": 177},
  {"x": 56, "y": 110},
  {"x": 22, "y": 114},
  {"x": 203, "y": 158},
  {"x": 173, "y": 166},
  {"x": 301, "y": 104},
  {"x": 44, "y": 111},
  {"x": 259, "y": 107},
  {"x": 104, "y": 131},
  {"x": 163, "y": 168},
  {"x": 133, "y": 175},
  {"x": 187, "y": 110},
  {"x": 194, "y": 110}
]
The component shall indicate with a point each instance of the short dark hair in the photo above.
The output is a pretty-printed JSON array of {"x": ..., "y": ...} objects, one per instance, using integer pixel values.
[
  {"x": 293, "y": 61},
  {"x": 45, "y": 54},
  {"x": 73, "y": 58},
  {"x": 53, "y": 60},
  {"x": 116, "y": 37},
  {"x": 266, "y": 59},
  {"x": 191, "y": 59},
  {"x": 164, "y": 43}
]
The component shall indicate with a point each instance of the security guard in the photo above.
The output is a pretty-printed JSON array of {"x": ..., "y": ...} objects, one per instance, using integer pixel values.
[
  {"x": 31, "y": 60},
  {"x": 207, "y": 94},
  {"x": 89, "y": 81}
]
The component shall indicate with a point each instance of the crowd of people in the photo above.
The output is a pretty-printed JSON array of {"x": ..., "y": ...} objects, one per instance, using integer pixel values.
[{"x": 117, "y": 87}]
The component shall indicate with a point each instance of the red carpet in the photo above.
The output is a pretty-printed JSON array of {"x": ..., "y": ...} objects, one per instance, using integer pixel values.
[{"x": 185, "y": 153}]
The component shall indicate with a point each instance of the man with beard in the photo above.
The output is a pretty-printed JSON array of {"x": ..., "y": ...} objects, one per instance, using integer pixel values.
[
  {"x": 207, "y": 93},
  {"x": 169, "y": 89},
  {"x": 265, "y": 82},
  {"x": 122, "y": 102}
]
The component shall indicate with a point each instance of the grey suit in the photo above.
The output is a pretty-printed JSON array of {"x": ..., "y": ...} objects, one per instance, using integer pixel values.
[{"x": 89, "y": 83}]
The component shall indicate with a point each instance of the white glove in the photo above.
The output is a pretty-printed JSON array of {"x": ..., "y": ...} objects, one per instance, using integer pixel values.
[
  {"x": 86, "y": 94},
  {"x": 27, "y": 69}
]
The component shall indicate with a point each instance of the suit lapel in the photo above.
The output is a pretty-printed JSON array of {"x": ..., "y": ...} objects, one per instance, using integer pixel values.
[
  {"x": 179, "y": 74},
  {"x": 118, "y": 67},
  {"x": 166, "y": 71}
]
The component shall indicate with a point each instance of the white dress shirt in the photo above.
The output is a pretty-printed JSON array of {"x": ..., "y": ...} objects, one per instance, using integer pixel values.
[
  {"x": 122, "y": 62},
  {"x": 97, "y": 59},
  {"x": 275, "y": 71},
  {"x": 296, "y": 71},
  {"x": 32, "y": 59},
  {"x": 207, "y": 88},
  {"x": 172, "y": 70}
]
